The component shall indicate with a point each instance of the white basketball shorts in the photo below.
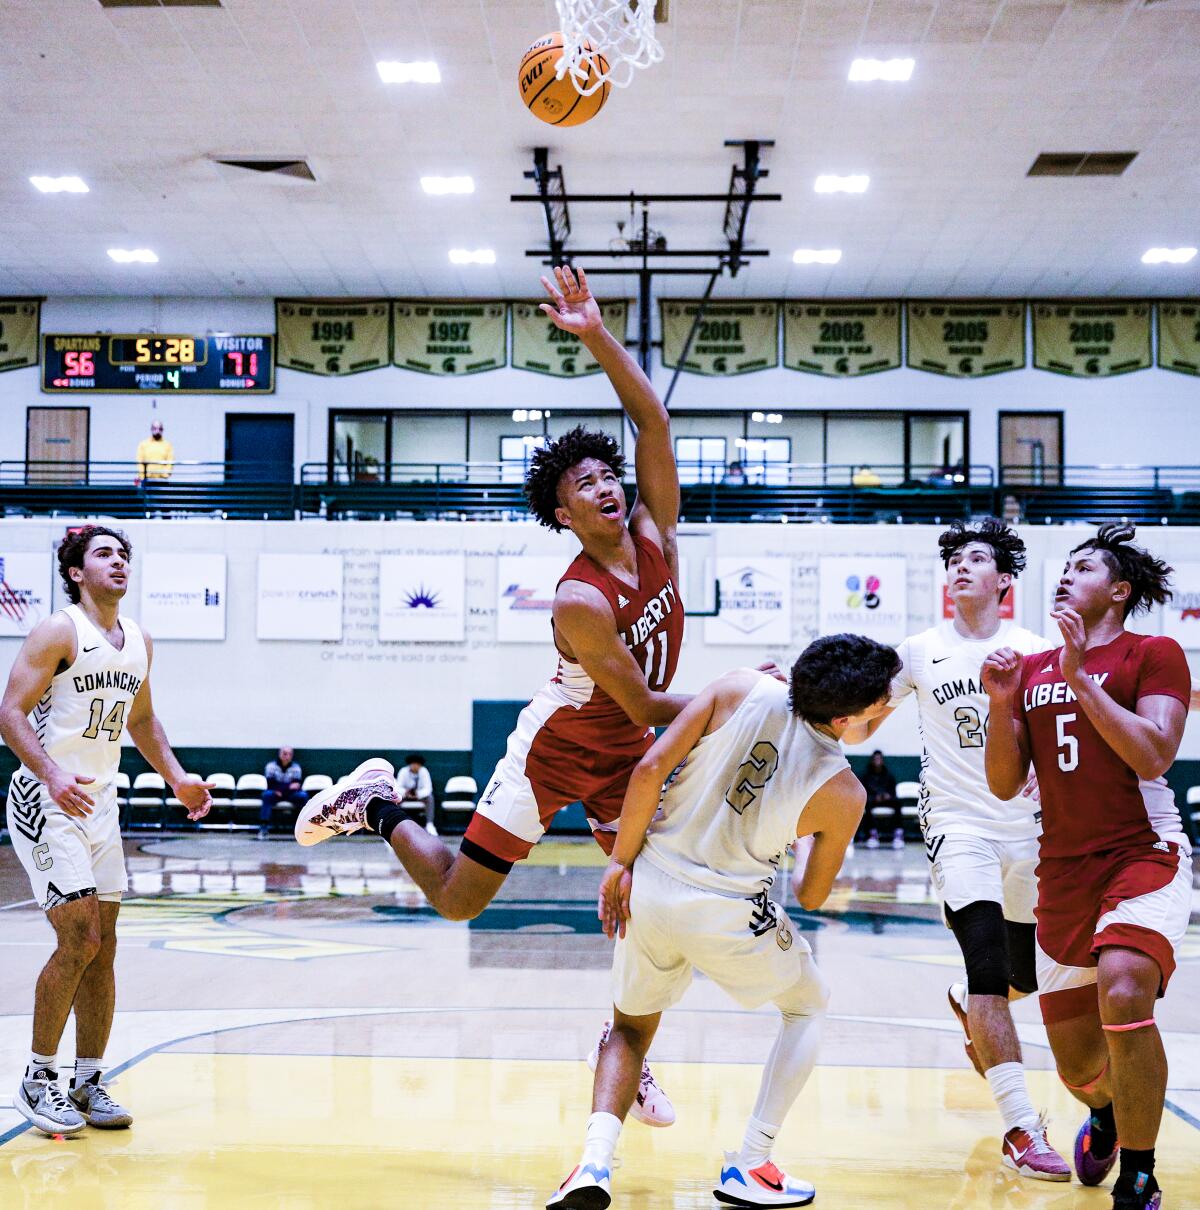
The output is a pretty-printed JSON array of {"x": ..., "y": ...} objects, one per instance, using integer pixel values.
[{"x": 967, "y": 869}]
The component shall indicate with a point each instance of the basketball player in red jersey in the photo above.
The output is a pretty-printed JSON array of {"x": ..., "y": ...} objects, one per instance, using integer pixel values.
[
  {"x": 617, "y": 627},
  {"x": 1101, "y": 719}
]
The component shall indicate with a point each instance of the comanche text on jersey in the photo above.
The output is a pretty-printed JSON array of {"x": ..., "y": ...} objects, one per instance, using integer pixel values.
[{"x": 110, "y": 678}]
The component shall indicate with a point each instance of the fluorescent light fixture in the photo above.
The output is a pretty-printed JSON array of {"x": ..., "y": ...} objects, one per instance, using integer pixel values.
[
  {"x": 829, "y": 183},
  {"x": 520, "y": 414},
  {"x": 774, "y": 418},
  {"x": 420, "y": 72},
  {"x": 59, "y": 184},
  {"x": 465, "y": 256},
  {"x": 893, "y": 70},
  {"x": 447, "y": 184},
  {"x": 757, "y": 417},
  {"x": 131, "y": 256},
  {"x": 816, "y": 256},
  {"x": 1167, "y": 256}
]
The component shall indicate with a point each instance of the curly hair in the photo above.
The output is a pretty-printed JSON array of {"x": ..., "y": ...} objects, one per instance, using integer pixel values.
[
  {"x": 1007, "y": 548},
  {"x": 841, "y": 674},
  {"x": 73, "y": 547},
  {"x": 553, "y": 460},
  {"x": 1148, "y": 578}
]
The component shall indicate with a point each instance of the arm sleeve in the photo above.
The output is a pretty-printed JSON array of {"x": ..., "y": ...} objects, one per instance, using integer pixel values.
[
  {"x": 1164, "y": 670},
  {"x": 903, "y": 684}
]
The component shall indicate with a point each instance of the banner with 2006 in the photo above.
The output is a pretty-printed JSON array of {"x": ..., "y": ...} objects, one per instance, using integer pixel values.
[{"x": 1091, "y": 340}]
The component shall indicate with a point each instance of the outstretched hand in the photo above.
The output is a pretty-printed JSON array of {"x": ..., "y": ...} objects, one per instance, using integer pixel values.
[
  {"x": 573, "y": 308},
  {"x": 612, "y": 903}
]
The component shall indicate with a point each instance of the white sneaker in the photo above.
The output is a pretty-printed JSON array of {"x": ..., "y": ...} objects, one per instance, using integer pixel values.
[
  {"x": 430, "y": 828},
  {"x": 342, "y": 808},
  {"x": 651, "y": 1106},
  {"x": 43, "y": 1102},
  {"x": 765, "y": 1185},
  {"x": 898, "y": 838},
  {"x": 589, "y": 1187}
]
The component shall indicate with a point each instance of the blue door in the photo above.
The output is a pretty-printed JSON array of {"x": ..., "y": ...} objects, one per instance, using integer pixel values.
[{"x": 259, "y": 447}]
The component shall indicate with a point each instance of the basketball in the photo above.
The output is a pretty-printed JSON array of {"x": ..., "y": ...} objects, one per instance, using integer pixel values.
[{"x": 550, "y": 99}]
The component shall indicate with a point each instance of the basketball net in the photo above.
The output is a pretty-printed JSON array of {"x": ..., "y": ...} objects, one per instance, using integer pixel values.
[{"x": 604, "y": 41}]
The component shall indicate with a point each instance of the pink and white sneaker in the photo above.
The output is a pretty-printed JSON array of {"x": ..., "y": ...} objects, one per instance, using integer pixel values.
[
  {"x": 342, "y": 808},
  {"x": 652, "y": 1106},
  {"x": 1028, "y": 1152},
  {"x": 765, "y": 1185}
]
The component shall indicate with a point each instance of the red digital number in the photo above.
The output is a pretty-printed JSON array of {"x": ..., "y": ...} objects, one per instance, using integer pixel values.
[
  {"x": 79, "y": 365},
  {"x": 253, "y": 365},
  {"x": 236, "y": 361}
]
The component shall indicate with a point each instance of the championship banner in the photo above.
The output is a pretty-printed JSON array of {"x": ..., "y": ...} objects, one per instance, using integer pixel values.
[
  {"x": 966, "y": 340},
  {"x": 731, "y": 338},
  {"x": 448, "y": 338},
  {"x": 299, "y": 597},
  {"x": 1178, "y": 337},
  {"x": 183, "y": 596},
  {"x": 1091, "y": 340},
  {"x": 1181, "y": 615},
  {"x": 756, "y": 603},
  {"x": 25, "y": 587},
  {"x": 540, "y": 345},
  {"x": 20, "y": 319},
  {"x": 865, "y": 594},
  {"x": 422, "y": 600},
  {"x": 943, "y": 606},
  {"x": 842, "y": 339},
  {"x": 525, "y": 587},
  {"x": 332, "y": 338}
]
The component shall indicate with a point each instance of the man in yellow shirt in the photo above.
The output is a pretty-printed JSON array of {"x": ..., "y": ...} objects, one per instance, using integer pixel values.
[{"x": 155, "y": 454}]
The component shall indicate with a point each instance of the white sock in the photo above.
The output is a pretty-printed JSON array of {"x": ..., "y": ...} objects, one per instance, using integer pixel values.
[
  {"x": 84, "y": 1070},
  {"x": 37, "y": 1062},
  {"x": 1007, "y": 1081},
  {"x": 959, "y": 992},
  {"x": 603, "y": 1130},
  {"x": 758, "y": 1142}
]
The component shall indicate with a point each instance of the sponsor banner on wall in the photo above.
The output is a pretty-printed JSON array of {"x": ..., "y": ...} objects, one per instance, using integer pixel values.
[
  {"x": 1179, "y": 337},
  {"x": 25, "y": 588},
  {"x": 183, "y": 596},
  {"x": 300, "y": 597},
  {"x": 1091, "y": 340},
  {"x": 525, "y": 586},
  {"x": 967, "y": 339},
  {"x": 865, "y": 594},
  {"x": 422, "y": 600},
  {"x": 1144, "y": 623},
  {"x": 842, "y": 339},
  {"x": 943, "y": 606},
  {"x": 332, "y": 338},
  {"x": 730, "y": 338},
  {"x": 1181, "y": 615},
  {"x": 449, "y": 338},
  {"x": 20, "y": 319},
  {"x": 756, "y": 602},
  {"x": 540, "y": 345}
]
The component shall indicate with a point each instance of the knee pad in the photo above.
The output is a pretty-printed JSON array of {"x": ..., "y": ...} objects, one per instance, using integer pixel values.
[
  {"x": 1022, "y": 956},
  {"x": 981, "y": 935}
]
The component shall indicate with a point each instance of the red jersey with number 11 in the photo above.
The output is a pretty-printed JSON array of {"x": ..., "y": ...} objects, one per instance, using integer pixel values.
[{"x": 1092, "y": 800}]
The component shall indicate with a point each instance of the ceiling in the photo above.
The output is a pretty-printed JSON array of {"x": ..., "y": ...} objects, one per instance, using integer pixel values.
[{"x": 139, "y": 101}]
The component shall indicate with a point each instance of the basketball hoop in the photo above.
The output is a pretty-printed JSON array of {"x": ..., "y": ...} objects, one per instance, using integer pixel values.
[{"x": 604, "y": 41}]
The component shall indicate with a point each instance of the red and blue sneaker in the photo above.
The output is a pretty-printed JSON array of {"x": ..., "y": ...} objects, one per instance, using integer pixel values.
[
  {"x": 1089, "y": 1167},
  {"x": 1137, "y": 1191},
  {"x": 589, "y": 1187},
  {"x": 765, "y": 1185}
]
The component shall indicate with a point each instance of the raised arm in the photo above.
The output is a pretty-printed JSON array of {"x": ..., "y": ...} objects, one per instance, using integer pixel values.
[
  {"x": 1006, "y": 749},
  {"x": 833, "y": 815}
]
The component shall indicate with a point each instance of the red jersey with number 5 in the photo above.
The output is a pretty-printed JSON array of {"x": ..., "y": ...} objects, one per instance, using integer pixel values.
[{"x": 1091, "y": 799}]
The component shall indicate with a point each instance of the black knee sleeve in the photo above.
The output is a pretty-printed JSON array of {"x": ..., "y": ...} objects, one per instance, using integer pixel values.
[
  {"x": 983, "y": 939},
  {"x": 1022, "y": 960}
]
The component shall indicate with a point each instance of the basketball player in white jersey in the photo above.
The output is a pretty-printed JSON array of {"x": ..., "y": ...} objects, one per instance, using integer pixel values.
[
  {"x": 80, "y": 680},
  {"x": 755, "y": 766}
]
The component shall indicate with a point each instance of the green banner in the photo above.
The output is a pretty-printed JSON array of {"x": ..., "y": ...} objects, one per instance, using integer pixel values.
[
  {"x": 332, "y": 338},
  {"x": 448, "y": 338},
  {"x": 540, "y": 345},
  {"x": 1179, "y": 337},
  {"x": 19, "y": 323},
  {"x": 731, "y": 337},
  {"x": 1091, "y": 340},
  {"x": 966, "y": 339},
  {"x": 841, "y": 339}
]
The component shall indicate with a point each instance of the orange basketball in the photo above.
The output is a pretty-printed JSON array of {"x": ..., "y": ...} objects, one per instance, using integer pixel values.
[{"x": 556, "y": 101}]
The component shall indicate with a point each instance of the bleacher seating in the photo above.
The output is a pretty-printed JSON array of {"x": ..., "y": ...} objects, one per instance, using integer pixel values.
[{"x": 908, "y": 794}]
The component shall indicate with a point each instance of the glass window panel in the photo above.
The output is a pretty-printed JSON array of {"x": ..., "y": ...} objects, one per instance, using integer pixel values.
[
  {"x": 700, "y": 459},
  {"x": 359, "y": 447},
  {"x": 515, "y": 453}
]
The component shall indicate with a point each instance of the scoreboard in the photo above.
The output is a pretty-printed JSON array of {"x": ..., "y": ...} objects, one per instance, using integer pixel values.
[{"x": 132, "y": 364}]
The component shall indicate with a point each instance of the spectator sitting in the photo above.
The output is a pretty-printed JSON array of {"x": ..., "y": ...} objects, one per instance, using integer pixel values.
[
  {"x": 155, "y": 454},
  {"x": 866, "y": 477},
  {"x": 283, "y": 786},
  {"x": 735, "y": 476},
  {"x": 880, "y": 786},
  {"x": 416, "y": 789}
]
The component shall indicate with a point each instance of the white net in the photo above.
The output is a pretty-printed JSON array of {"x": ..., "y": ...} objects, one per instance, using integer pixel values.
[{"x": 605, "y": 41}]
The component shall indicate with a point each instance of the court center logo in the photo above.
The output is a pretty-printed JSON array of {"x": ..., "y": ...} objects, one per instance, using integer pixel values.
[{"x": 864, "y": 593}]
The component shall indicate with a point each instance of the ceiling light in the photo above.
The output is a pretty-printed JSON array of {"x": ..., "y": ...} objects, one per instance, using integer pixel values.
[
  {"x": 58, "y": 184},
  {"x": 520, "y": 414},
  {"x": 420, "y": 72},
  {"x": 828, "y": 183},
  {"x": 1167, "y": 256},
  {"x": 129, "y": 256},
  {"x": 464, "y": 256},
  {"x": 774, "y": 418},
  {"x": 448, "y": 184},
  {"x": 757, "y": 417},
  {"x": 816, "y": 256},
  {"x": 892, "y": 70}
]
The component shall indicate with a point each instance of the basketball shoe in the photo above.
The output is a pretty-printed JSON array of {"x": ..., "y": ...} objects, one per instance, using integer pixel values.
[
  {"x": 957, "y": 995},
  {"x": 43, "y": 1102},
  {"x": 1136, "y": 1191},
  {"x": 589, "y": 1187},
  {"x": 765, "y": 1185},
  {"x": 97, "y": 1107},
  {"x": 651, "y": 1106},
  {"x": 1092, "y": 1169},
  {"x": 342, "y": 808},
  {"x": 1028, "y": 1152}
]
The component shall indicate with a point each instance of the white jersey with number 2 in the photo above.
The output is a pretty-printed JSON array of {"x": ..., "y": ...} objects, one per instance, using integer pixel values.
[{"x": 943, "y": 669}]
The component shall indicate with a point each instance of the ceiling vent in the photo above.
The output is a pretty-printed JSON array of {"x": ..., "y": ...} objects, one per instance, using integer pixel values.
[
  {"x": 160, "y": 3},
  {"x": 1081, "y": 163},
  {"x": 293, "y": 168}
]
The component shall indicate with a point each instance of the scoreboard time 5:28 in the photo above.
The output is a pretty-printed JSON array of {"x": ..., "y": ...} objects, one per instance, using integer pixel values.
[{"x": 150, "y": 362}]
